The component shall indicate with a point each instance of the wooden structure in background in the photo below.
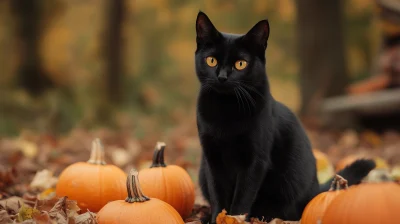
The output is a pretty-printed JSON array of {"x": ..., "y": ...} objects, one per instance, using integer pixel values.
[{"x": 374, "y": 102}]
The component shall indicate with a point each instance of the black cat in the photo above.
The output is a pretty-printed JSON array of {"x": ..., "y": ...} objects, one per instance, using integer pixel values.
[{"x": 256, "y": 158}]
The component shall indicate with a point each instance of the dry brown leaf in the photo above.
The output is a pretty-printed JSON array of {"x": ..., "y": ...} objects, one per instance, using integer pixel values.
[
  {"x": 193, "y": 222},
  {"x": 280, "y": 221},
  {"x": 44, "y": 179},
  {"x": 72, "y": 208},
  {"x": 11, "y": 205},
  {"x": 46, "y": 205},
  {"x": 28, "y": 148},
  {"x": 5, "y": 217},
  {"x": 86, "y": 218},
  {"x": 120, "y": 156},
  {"x": 59, "y": 211},
  {"x": 372, "y": 138},
  {"x": 223, "y": 218},
  {"x": 257, "y": 221},
  {"x": 43, "y": 218}
]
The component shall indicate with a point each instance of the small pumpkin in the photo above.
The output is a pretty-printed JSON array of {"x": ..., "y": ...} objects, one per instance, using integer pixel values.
[
  {"x": 380, "y": 162},
  {"x": 315, "y": 209},
  {"x": 325, "y": 168},
  {"x": 138, "y": 208},
  {"x": 169, "y": 183},
  {"x": 93, "y": 183},
  {"x": 367, "y": 203}
]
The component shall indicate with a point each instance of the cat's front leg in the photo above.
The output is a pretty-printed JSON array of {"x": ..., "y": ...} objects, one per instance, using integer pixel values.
[
  {"x": 248, "y": 183},
  {"x": 212, "y": 185}
]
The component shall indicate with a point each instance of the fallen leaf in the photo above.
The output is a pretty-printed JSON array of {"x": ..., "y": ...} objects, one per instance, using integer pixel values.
[
  {"x": 72, "y": 208},
  {"x": 47, "y": 194},
  {"x": 86, "y": 218},
  {"x": 28, "y": 148},
  {"x": 372, "y": 138},
  {"x": 5, "y": 217},
  {"x": 12, "y": 204},
  {"x": 349, "y": 139},
  {"x": 58, "y": 212},
  {"x": 194, "y": 222},
  {"x": 26, "y": 213},
  {"x": 44, "y": 179},
  {"x": 7, "y": 176},
  {"x": 395, "y": 174},
  {"x": 120, "y": 157},
  {"x": 43, "y": 218},
  {"x": 280, "y": 221},
  {"x": 223, "y": 218},
  {"x": 46, "y": 205}
]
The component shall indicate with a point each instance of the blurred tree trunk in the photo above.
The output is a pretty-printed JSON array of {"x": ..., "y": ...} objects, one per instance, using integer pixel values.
[
  {"x": 31, "y": 75},
  {"x": 321, "y": 52},
  {"x": 113, "y": 49}
]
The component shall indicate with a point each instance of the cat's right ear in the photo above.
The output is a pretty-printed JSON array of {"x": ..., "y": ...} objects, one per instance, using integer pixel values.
[{"x": 205, "y": 30}]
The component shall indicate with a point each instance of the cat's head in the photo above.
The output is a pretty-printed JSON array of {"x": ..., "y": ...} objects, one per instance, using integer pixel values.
[{"x": 224, "y": 60}]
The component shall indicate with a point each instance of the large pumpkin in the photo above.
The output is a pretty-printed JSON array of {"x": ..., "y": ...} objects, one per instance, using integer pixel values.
[
  {"x": 325, "y": 169},
  {"x": 366, "y": 203},
  {"x": 138, "y": 208},
  {"x": 169, "y": 183},
  {"x": 93, "y": 183},
  {"x": 380, "y": 162},
  {"x": 315, "y": 209}
]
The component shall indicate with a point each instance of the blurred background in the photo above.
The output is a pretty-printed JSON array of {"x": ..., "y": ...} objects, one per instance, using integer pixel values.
[{"x": 123, "y": 71}]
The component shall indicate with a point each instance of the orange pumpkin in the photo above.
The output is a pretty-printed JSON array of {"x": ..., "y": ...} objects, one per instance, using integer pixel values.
[
  {"x": 367, "y": 203},
  {"x": 93, "y": 183},
  {"x": 138, "y": 208},
  {"x": 380, "y": 163},
  {"x": 325, "y": 168},
  {"x": 171, "y": 183},
  {"x": 315, "y": 209}
]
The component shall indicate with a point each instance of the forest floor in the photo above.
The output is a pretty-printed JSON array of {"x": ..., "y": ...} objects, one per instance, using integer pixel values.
[{"x": 31, "y": 163}]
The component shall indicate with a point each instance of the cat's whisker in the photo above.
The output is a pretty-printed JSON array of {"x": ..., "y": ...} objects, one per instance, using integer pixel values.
[
  {"x": 246, "y": 97},
  {"x": 237, "y": 98},
  {"x": 241, "y": 99},
  {"x": 251, "y": 88},
  {"x": 252, "y": 101}
]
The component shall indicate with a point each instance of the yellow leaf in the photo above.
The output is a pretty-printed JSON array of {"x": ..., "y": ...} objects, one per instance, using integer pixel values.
[{"x": 26, "y": 213}]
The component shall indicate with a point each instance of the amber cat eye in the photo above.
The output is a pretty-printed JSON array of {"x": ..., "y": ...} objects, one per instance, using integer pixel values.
[
  {"x": 211, "y": 61},
  {"x": 240, "y": 64}
]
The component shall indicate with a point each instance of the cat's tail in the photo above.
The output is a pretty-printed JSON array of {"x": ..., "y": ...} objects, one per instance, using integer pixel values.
[{"x": 353, "y": 173}]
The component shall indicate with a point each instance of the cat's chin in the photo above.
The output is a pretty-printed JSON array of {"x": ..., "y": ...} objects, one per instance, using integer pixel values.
[{"x": 223, "y": 89}]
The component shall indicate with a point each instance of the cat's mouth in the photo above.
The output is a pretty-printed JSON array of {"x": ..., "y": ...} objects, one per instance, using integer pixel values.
[{"x": 225, "y": 88}]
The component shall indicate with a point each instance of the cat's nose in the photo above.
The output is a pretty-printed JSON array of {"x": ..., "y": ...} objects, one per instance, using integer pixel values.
[
  {"x": 222, "y": 79},
  {"x": 222, "y": 76}
]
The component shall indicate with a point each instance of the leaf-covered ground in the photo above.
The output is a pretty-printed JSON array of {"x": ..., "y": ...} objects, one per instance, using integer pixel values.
[{"x": 31, "y": 163}]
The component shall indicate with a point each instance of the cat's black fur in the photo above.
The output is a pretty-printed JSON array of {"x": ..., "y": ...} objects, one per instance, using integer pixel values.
[{"x": 256, "y": 158}]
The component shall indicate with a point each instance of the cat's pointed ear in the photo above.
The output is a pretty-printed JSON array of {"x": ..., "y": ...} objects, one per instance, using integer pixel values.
[
  {"x": 259, "y": 33},
  {"x": 205, "y": 30}
]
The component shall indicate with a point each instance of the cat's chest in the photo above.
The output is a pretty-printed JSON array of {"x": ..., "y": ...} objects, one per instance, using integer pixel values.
[{"x": 232, "y": 154}]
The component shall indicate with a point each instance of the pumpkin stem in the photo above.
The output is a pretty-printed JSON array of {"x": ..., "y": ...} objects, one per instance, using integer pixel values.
[
  {"x": 135, "y": 193},
  {"x": 338, "y": 183},
  {"x": 97, "y": 154},
  {"x": 158, "y": 156}
]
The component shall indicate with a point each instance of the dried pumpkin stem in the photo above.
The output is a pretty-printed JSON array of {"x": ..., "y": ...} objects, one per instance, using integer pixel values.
[
  {"x": 158, "y": 156},
  {"x": 135, "y": 193},
  {"x": 338, "y": 183},
  {"x": 97, "y": 154}
]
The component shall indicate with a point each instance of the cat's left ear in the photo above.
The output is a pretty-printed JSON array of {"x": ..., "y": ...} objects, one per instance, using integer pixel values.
[{"x": 259, "y": 34}]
